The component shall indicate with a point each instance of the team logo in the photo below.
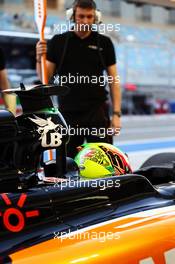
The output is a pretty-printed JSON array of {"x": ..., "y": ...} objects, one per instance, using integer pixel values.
[
  {"x": 94, "y": 47},
  {"x": 50, "y": 137},
  {"x": 14, "y": 217}
]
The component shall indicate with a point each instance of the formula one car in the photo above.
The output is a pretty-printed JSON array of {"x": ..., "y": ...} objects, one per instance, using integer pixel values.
[{"x": 127, "y": 219}]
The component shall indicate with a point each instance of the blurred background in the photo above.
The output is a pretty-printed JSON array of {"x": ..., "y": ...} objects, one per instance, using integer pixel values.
[
  {"x": 144, "y": 44},
  {"x": 145, "y": 50}
]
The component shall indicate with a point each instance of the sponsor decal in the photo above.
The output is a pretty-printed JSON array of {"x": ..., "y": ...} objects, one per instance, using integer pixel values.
[
  {"x": 50, "y": 137},
  {"x": 13, "y": 217}
]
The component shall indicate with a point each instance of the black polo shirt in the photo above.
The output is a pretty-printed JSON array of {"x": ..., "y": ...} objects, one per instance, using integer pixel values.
[
  {"x": 2, "y": 60},
  {"x": 82, "y": 67}
]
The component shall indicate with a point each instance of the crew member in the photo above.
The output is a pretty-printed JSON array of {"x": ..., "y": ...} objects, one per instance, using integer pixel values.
[{"x": 79, "y": 57}]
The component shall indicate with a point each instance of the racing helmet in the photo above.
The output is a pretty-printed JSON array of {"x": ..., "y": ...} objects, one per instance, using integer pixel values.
[{"x": 98, "y": 160}]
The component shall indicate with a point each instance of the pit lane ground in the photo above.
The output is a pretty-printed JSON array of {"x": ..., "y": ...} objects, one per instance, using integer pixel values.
[{"x": 143, "y": 136}]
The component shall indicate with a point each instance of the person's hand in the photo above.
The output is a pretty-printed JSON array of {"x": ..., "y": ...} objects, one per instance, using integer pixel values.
[
  {"x": 116, "y": 124},
  {"x": 41, "y": 48},
  {"x": 10, "y": 102}
]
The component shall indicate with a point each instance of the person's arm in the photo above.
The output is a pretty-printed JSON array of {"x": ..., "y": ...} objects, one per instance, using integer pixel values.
[
  {"x": 9, "y": 99},
  {"x": 41, "y": 48},
  {"x": 4, "y": 84},
  {"x": 115, "y": 91}
]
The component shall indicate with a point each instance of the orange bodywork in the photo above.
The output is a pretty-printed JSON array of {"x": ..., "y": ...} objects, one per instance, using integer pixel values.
[{"x": 142, "y": 238}]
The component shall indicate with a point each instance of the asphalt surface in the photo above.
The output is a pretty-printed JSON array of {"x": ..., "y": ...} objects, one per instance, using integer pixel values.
[{"x": 143, "y": 136}]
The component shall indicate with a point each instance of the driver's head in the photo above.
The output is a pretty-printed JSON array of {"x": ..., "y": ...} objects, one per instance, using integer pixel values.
[{"x": 98, "y": 160}]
